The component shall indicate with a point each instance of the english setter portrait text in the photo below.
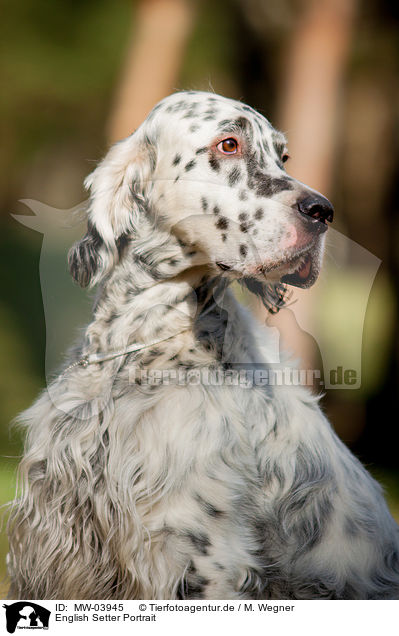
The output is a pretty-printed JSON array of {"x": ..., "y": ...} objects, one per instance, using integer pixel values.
[{"x": 162, "y": 490}]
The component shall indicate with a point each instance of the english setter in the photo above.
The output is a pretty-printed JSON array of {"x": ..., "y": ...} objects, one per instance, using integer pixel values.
[{"x": 165, "y": 490}]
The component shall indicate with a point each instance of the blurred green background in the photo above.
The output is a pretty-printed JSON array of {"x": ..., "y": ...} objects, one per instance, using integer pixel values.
[{"x": 62, "y": 67}]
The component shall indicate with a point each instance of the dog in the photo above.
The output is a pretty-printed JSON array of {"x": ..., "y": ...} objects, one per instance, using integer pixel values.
[{"x": 136, "y": 489}]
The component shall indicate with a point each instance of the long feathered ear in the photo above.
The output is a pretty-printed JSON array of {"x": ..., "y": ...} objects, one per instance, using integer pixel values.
[
  {"x": 84, "y": 258},
  {"x": 117, "y": 197}
]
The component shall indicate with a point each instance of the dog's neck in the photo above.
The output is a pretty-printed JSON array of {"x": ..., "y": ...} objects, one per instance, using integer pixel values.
[
  {"x": 133, "y": 305},
  {"x": 162, "y": 287}
]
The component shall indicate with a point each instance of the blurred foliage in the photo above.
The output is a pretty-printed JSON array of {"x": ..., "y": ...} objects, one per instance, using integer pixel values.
[{"x": 59, "y": 64}]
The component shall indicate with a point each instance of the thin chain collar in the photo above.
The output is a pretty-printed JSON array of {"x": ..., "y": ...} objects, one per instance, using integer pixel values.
[{"x": 95, "y": 358}]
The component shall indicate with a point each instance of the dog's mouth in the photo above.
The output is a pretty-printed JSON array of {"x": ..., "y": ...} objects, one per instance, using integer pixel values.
[
  {"x": 300, "y": 271},
  {"x": 302, "y": 276}
]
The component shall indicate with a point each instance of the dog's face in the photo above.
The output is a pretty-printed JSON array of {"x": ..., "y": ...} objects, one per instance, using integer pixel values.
[
  {"x": 211, "y": 171},
  {"x": 220, "y": 176}
]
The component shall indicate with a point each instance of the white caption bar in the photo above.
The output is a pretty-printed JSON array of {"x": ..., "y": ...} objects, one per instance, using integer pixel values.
[{"x": 193, "y": 617}]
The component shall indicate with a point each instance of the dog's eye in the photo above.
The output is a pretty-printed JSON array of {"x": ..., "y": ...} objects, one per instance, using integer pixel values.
[
  {"x": 285, "y": 157},
  {"x": 228, "y": 146}
]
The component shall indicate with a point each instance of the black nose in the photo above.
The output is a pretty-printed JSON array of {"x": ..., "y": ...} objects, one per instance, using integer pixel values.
[{"x": 317, "y": 207}]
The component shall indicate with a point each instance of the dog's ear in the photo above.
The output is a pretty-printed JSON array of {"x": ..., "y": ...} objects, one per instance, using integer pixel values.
[
  {"x": 117, "y": 198},
  {"x": 86, "y": 258}
]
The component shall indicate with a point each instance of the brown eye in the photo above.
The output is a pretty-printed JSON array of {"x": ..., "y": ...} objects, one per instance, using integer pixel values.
[
  {"x": 228, "y": 146},
  {"x": 285, "y": 157}
]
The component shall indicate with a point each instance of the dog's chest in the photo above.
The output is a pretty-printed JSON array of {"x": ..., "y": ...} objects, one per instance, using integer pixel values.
[{"x": 199, "y": 489}]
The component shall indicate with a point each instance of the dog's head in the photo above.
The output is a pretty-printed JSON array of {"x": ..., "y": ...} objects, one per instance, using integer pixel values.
[{"x": 210, "y": 171}]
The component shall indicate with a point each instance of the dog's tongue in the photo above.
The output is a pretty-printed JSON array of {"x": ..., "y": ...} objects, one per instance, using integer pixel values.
[{"x": 304, "y": 270}]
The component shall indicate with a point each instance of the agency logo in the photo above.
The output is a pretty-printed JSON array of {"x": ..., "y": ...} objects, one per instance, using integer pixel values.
[{"x": 26, "y": 615}]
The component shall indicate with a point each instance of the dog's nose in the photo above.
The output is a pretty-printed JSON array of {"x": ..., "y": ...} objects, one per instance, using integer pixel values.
[{"x": 317, "y": 207}]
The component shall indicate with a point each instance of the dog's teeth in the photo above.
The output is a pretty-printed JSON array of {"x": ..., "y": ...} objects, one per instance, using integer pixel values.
[{"x": 304, "y": 268}]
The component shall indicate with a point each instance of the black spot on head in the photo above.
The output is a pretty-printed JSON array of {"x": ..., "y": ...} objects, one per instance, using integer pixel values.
[
  {"x": 176, "y": 160},
  {"x": 239, "y": 125},
  {"x": 194, "y": 128},
  {"x": 209, "y": 118},
  {"x": 216, "y": 210},
  {"x": 224, "y": 123},
  {"x": 177, "y": 178},
  {"x": 224, "y": 237},
  {"x": 252, "y": 167},
  {"x": 181, "y": 104},
  {"x": 243, "y": 195},
  {"x": 242, "y": 216},
  {"x": 190, "y": 114},
  {"x": 243, "y": 250},
  {"x": 201, "y": 151},
  {"x": 214, "y": 163},
  {"x": 234, "y": 176},
  {"x": 266, "y": 186},
  {"x": 222, "y": 223},
  {"x": 190, "y": 165},
  {"x": 244, "y": 227},
  {"x": 259, "y": 214}
]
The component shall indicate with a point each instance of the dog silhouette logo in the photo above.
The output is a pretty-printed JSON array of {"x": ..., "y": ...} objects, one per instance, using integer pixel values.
[{"x": 26, "y": 615}]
